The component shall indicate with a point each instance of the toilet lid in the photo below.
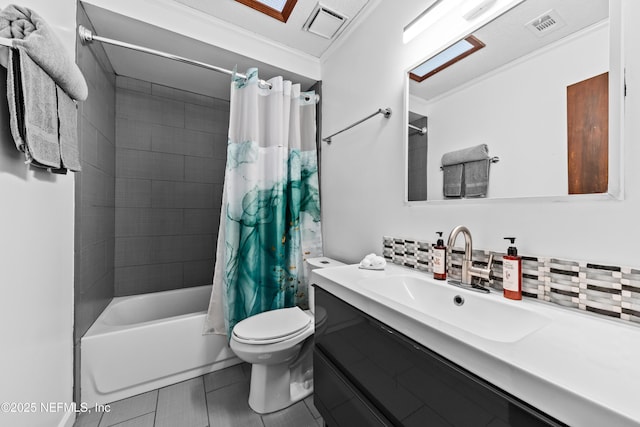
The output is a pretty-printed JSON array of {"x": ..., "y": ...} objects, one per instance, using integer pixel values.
[{"x": 272, "y": 325}]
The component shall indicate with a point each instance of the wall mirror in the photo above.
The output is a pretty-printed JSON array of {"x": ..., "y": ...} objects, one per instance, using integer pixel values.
[{"x": 514, "y": 95}]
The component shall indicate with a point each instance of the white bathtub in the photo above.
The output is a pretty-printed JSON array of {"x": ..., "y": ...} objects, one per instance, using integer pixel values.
[{"x": 143, "y": 342}]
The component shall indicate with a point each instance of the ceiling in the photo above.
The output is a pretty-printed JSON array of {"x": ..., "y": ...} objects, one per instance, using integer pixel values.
[
  {"x": 241, "y": 36},
  {"x": 289, "y": 34},
  {"x": 227, "y": 34},
  {"x": 508, "y": 38}
]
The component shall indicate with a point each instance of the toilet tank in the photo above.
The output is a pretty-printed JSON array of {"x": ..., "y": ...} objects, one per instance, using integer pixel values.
[{"x": 312, "y": 264}]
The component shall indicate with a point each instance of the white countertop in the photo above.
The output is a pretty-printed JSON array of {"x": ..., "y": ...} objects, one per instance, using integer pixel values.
[{"x": 580, "y": 368}]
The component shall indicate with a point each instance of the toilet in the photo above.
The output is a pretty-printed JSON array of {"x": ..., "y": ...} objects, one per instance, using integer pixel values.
[{"x": 279, "y": 344}]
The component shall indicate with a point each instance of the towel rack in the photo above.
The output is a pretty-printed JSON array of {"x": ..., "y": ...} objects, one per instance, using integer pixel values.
[
  {"x": 421, "y": 131},
  {"x": 385, "y": 111},
  {"x": 494, "y": 159}
]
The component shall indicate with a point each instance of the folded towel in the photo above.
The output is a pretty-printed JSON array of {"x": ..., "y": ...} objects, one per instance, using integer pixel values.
[
  {"x": 31, "y": 95},
  {"x": 33, "y": 36},
  {"x": 476, "y": 178},
  {"x": 452, "y": 180},
  {"x": 68, "y": 131},
  {"x": 471, "y": 154},
  {"x": 373, "y": 262}
]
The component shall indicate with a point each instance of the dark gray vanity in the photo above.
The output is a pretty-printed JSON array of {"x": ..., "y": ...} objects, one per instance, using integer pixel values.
[{"x": 368, "y": 374}]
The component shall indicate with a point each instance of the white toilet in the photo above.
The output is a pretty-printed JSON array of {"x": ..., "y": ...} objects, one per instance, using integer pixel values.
[{"x": 279, "y": 345}]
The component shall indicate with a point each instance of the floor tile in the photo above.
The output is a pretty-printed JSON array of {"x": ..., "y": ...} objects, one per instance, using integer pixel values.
[
  {"x": 130, "y": 408},
  {"x": 224, "y": 377},
  {"x": 88, "y": 419},
  {"x": 143, "y": 421},
  {"x": 218, "y": 399},
  {"x": 229, "y": 407},
  {"x": 246, "y": 367},
  {"x": 183, "y": 404},
  {"x": 312, "y": 408},
  {"x": 297, "y": 415}
]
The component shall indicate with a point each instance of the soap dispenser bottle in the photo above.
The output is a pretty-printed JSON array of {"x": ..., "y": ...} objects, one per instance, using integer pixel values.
[
  {"x": 512, "y": 272},
  {"x": 440, "y": 259}
]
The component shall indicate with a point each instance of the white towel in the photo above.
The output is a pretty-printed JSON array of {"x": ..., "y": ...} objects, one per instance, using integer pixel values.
[
  {"x": 466, "y": 172},
  {"x": 476, "y": 178},
  {"x": 33, "y": 112},
  {"x": 33, "y": 36},
  {"x": 452, "y": 180},
  {"x": 471, "y": 154},
  {"x": 373, "y": 262}
]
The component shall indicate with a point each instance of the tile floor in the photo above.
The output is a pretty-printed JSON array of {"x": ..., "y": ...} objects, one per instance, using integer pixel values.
[{"x": 218, "y": 399}]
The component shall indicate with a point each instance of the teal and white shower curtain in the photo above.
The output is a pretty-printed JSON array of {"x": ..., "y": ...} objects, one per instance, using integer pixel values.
[{"x": 270, "y": 218}]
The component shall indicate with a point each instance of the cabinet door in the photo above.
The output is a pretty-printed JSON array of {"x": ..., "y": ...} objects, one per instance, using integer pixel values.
[
  {"x": 406, "y": 382},
  {"x": 588, "y": 135},
  {"x": 340, "y": 404}
]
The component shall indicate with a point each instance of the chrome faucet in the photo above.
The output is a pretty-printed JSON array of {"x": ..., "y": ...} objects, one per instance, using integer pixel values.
[{"x": 468, "y": 269}]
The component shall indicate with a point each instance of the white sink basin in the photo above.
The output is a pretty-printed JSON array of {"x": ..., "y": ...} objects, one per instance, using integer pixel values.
[
  {"x": 488, "y": 316},
  {"x": 578, "y": 367}
]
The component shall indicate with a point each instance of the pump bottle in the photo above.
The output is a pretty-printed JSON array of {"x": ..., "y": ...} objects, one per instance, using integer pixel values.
[
  {"x": 512, "y": 272},
  {"x": 439, "y": 259}
]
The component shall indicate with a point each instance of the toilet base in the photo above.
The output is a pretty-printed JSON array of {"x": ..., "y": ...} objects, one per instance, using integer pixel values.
[{"x": 272, "y": 390}]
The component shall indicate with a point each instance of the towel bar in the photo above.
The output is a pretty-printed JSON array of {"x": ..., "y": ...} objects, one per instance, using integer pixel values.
[
  {"x": 494, "y": 159},
  {"x": 384, "y": 111}
]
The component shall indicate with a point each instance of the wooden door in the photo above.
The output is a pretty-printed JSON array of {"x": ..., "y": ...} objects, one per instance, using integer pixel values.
[{"x": 588, "y": 135}]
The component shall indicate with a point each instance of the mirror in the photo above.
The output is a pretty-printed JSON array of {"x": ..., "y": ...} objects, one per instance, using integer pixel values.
[{"x": 512, "y": 96}]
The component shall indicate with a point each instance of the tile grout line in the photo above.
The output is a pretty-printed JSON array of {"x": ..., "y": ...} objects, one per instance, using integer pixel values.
[
  {"x": 206, "y": 401},
  {"x": 155, "y": 412}
]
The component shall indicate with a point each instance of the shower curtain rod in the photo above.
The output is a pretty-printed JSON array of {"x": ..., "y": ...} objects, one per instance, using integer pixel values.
[
  {"x": 385, "y": 111},
  {"x": 87, "y": 37},
  {"x": 422, "y": 130}
]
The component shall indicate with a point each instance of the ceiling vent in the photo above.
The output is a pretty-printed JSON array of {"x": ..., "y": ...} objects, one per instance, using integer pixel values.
[
  {"x": 324, "y": 22},
  {"x": 546, "y": 23}
]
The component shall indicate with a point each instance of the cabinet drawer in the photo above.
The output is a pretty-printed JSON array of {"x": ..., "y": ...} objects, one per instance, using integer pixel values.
[
  {"x": 409, "y": 384},
  {"x": 338, "y": 402}
]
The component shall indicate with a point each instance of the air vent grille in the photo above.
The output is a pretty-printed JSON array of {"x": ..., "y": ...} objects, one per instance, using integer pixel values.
[
  {"x": 325, "y": 22},
  {"x": 546, "y": 23}
]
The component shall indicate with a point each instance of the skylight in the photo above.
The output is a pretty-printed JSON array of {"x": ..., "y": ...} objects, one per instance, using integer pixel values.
[
  {"x": 274, "y": 4},
  {"x": 278, "y": 9},
  {"x": 446, "y": 58}
]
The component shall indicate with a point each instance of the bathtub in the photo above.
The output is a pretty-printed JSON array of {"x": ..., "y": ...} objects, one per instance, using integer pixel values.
[{"x": 143, "y": 342}]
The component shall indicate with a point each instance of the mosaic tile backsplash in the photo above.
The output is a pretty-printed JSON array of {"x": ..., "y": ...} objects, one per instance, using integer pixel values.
[{"x": 606, "y": 290}]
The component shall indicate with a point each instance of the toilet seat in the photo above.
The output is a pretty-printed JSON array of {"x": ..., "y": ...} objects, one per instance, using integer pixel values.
[{"x": 272, "y": 326}]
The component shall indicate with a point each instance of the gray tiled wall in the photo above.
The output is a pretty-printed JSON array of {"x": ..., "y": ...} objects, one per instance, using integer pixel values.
[
  {"x": 95, "y": 192},
  {"x": 170, "y": 160},
  {"x": 417, "y": 162}
]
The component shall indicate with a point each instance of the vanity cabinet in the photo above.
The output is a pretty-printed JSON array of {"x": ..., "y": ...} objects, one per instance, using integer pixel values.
[{"x": 367, "y": 374}]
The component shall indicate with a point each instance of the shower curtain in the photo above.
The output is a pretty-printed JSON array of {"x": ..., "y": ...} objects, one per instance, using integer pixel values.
[{"x": 270, "y": 217}]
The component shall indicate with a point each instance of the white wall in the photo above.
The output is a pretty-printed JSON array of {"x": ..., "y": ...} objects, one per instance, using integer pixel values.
[
  {"x": 36, "y": 268},
  {"x": 519, "y": 111},
  {"x": 363, "y": 169}
]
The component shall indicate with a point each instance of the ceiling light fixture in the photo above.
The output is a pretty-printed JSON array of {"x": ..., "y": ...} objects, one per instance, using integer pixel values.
[{"x": 456, "y": 15}]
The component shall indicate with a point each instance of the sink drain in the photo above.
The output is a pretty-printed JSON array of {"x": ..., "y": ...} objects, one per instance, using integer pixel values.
[{"x": 458, "y": 300}]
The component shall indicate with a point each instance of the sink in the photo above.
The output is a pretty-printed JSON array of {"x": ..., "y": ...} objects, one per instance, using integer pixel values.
[{"x": 489, "y": 316}]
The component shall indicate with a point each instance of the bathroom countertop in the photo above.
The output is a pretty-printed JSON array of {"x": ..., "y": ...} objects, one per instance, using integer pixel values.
[{"x": 580, "y": 368}]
